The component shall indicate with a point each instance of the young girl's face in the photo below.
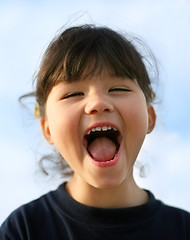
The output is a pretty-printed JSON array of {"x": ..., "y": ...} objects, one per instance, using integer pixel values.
[{"x": 98, "y": 125}]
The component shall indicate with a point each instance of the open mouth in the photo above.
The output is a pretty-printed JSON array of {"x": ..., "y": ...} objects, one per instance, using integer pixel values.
[{"x": 102, "y": 143}]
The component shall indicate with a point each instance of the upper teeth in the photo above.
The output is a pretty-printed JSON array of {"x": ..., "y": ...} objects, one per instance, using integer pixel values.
[{"x": 104, "y": 128}]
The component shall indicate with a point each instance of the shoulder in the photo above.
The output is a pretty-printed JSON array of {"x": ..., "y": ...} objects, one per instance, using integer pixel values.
[
  {"x": 33, "y": 208},
  {"x": 167, "y": 222},
  {"x": 28, "y": 218},
  {"x": 168, "y": 211},
  {"x": 174, "y": 220},
  {"x": 178, "y": 214}
]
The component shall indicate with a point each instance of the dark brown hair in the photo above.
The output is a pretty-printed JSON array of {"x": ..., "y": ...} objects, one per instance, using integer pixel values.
[{"x": 89, "y": 49}]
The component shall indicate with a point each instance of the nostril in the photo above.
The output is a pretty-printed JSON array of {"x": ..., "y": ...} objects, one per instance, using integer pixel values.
[
  {"x": 107, "y": 110},
  {"x": 99, "y": 108},
  {"x": 93, "y": 111}
]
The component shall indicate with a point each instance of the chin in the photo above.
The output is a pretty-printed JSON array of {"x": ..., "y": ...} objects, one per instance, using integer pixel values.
[{"x": 110, "y": 183}]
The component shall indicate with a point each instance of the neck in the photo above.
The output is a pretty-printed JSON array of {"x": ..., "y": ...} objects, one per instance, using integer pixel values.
[{"x": 127, "y": 194}]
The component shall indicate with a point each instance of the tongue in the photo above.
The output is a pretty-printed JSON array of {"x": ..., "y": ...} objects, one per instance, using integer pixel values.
[{"x": 102, "y": 149}]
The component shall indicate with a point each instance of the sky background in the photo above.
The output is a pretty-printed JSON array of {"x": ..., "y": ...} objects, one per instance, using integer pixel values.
[{"x": 26, "y": 27}]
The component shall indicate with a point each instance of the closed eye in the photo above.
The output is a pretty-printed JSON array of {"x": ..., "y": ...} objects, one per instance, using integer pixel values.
[
  {"x": 75, "y": 94},
  {"x": 119, "y": 89}
]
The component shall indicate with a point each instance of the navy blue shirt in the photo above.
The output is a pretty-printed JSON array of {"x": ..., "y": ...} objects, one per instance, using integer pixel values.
[{"x": 57, "y": 216}]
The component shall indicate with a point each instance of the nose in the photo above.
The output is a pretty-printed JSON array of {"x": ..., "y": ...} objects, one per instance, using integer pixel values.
[{"x": 97, "y": 103}]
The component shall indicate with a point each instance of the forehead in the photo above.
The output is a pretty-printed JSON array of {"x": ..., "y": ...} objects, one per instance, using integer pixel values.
[{"x": 103, "y": 79}]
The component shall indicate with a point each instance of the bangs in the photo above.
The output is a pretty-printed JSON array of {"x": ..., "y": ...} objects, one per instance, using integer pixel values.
[
  {"x": 95, "y": 50},
  {"x": 85, "y": 51}
]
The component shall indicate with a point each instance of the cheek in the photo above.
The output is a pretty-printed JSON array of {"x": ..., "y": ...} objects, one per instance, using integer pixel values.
[
  {"x": 139, "y": 118},
  {"x": 135, "y": 132},
  {"x": 136, "y": 123},
  {"x": 64, "y": 126}
]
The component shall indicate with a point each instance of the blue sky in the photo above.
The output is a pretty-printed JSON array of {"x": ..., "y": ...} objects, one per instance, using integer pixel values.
[{"x": 27, "y": 27}]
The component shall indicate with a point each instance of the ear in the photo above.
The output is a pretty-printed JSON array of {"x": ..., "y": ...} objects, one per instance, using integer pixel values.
[
  {"x": 151, "y": 118},
  {"x": 46, "y": 130}
]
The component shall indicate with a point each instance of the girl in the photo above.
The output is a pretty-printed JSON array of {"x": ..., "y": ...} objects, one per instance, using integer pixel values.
[{"x": 94, "y": 99}]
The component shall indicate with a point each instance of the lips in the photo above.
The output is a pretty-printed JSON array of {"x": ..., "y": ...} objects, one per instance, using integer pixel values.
[{"x": 105, "y": 138}]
